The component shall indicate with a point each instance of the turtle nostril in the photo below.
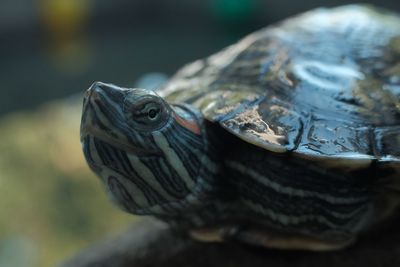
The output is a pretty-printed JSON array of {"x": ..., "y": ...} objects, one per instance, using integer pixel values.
[
  {"x": 97, "y": 85},
  {"x": 100, "y": 90},
  {"x": 96, "y": 89}
]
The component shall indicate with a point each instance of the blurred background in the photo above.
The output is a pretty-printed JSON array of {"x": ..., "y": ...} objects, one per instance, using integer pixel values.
[{"x": 51, "y": 206}]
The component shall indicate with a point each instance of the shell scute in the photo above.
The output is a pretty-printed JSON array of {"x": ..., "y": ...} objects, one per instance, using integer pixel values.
[
  {"x": 336, "y": 139},
  {"x": 266, "y": 123},
  {"x": 388, "y": 143}
]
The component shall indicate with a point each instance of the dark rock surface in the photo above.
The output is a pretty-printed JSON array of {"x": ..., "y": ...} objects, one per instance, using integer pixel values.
[{"x": 151, "y": 243}]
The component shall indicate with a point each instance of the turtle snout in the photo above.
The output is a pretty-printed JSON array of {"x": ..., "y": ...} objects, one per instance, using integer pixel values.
[
  {"x": 96, "y": 90},
  {"x": 100, "y": 91},
  {"x": 94, "y": 97},
  {"x": 102, "y": 112}
]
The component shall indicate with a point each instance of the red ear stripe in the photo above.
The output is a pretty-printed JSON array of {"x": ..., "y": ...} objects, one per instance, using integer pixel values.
[{"x": 191, "y": 125}]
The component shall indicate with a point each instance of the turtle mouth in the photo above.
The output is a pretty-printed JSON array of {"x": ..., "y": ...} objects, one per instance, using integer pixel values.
[{"x": 91, "y": 130}]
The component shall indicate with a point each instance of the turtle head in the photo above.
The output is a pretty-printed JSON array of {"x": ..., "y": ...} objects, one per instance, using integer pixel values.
[{"x": 153, "y": 157}]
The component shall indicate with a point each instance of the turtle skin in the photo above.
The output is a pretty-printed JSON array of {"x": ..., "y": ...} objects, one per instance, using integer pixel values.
[{"x": 310, "y": 113}]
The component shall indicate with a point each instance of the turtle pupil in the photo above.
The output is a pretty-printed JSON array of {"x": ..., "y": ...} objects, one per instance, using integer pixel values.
[{"x": 153, "y": 113}]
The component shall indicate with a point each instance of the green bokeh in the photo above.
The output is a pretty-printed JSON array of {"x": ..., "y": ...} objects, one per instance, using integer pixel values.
[
  {"x": 233, "y": 11},
  {"x": 52, "y": 205}
]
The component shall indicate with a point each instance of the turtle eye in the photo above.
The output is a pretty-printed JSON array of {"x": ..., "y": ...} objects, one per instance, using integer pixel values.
[
  {"x": 153, "y": 113},
  {"x": 148, "y": 114}
]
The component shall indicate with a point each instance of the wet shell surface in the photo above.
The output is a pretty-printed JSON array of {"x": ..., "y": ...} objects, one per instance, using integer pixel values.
[{"x": 319, "y": 85}]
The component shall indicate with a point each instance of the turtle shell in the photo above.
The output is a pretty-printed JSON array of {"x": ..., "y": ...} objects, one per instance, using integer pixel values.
[{"x": 323, "y": 85}]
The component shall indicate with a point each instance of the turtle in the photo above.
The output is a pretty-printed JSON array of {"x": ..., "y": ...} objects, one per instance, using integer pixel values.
[{"x": 288, "y": 139}]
